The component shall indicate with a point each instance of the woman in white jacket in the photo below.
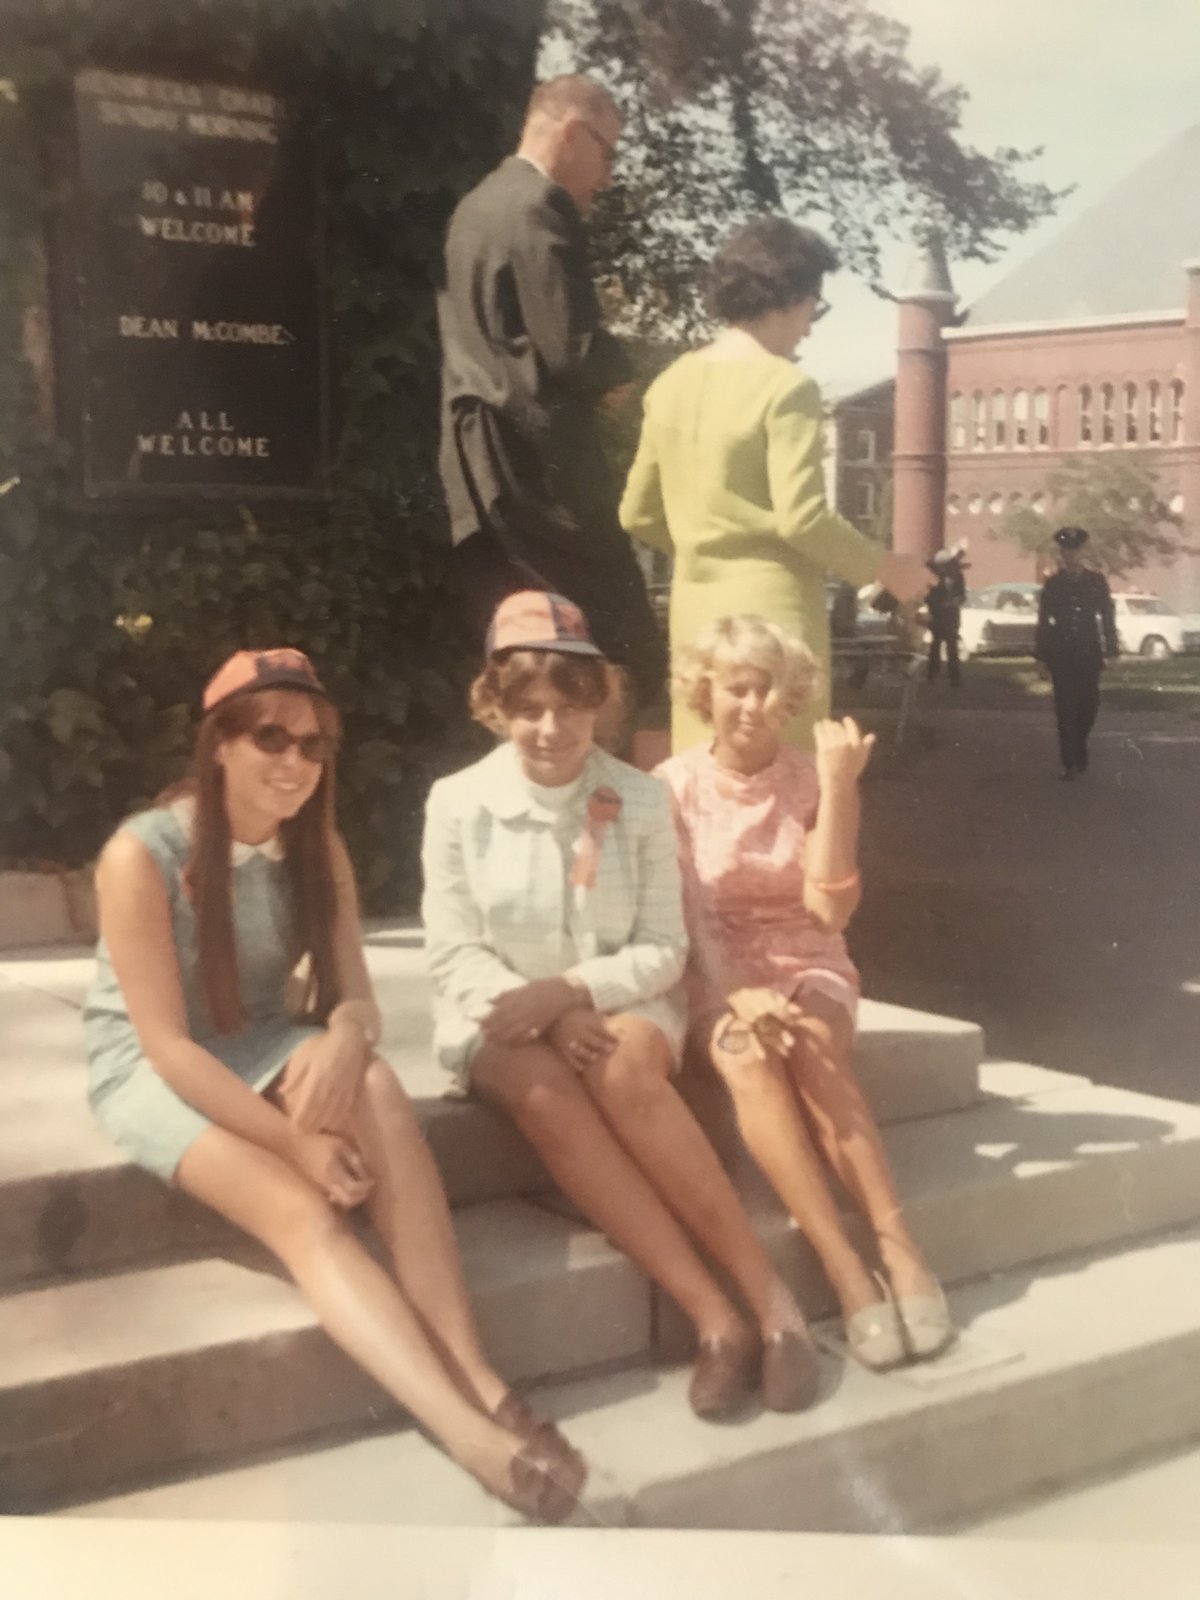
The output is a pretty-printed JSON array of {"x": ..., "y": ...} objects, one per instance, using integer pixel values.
[{"x": 556, "y": 942}]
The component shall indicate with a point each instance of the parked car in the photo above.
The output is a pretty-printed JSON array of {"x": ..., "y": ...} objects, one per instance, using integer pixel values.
[
  {"x": 852, "y": 617},
  {"x": 1148, "y": 626},
  {"x": 1000, "y": 620}
]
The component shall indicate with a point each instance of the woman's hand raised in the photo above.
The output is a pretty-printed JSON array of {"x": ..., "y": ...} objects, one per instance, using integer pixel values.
[{"x": 843, "y": 750}]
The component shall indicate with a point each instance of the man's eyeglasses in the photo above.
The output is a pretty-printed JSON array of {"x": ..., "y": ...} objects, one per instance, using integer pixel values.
[
  {"x": 609, "y": 149},
  {"x": 273, "y": 739}
]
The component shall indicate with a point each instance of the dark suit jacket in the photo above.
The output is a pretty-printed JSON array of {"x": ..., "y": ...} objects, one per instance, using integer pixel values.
[
  {"x": 1076, "y": 623},
  {"x": 525, "y": 358}
]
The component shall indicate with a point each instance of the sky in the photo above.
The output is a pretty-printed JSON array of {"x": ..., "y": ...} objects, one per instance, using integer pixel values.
[{"x": 1101, "y": 84}]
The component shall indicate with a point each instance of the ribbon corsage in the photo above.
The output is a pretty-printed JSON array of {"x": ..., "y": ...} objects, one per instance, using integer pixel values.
[{"x": 603, "y": 808}]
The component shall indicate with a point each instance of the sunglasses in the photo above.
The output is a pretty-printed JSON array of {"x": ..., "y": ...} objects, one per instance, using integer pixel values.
[{"x": 273, "y": 739}]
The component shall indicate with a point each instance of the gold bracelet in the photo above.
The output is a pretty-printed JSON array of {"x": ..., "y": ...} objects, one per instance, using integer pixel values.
[
  {"x": 370, "y": 1029},
  {"x": 851, "y": 882}
]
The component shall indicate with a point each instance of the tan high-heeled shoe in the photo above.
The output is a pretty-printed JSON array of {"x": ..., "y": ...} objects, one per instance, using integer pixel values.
[
  {"x": 875, "y": 1335},
  {"x": 925, "y": 1323}
]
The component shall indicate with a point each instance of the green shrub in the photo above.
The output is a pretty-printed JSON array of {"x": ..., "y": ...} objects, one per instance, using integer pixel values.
[{"x": 114, "y": 616}]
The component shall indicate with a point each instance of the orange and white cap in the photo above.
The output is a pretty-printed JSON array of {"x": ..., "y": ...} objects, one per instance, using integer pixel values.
[
  {"x": 249, "y": 670},
  {"x": 536, "y": 620}
]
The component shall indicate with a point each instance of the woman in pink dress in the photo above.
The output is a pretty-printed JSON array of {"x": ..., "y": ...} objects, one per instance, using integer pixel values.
[{"x": 768, "y": 842}]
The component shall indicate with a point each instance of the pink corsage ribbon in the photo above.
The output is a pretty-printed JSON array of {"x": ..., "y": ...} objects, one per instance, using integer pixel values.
[{"x": 603, "y": 807}]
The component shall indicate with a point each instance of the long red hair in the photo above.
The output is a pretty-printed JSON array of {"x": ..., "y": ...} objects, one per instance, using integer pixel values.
[{"x": 308, "y": 856}]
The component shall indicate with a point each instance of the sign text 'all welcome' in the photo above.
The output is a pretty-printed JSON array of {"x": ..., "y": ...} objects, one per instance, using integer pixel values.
[{"x": 199, "y": 271}]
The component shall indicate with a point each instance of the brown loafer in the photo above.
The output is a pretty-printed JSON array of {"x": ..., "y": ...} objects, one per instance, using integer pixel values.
[
  {"x": 544, "y": 1484},
  {"x": 791, "y": 1373},
  {"x": 724, "y": 1374},
  {"x": 515, "y": 1415}
]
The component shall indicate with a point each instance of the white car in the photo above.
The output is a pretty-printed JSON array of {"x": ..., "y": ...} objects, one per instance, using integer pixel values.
[
  {"x": 1148, "y": 626},
  {"x": 1000, "y": 620}
]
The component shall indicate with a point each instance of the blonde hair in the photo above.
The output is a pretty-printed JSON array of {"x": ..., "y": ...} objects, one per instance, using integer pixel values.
[{"x": 745, "y": 641}]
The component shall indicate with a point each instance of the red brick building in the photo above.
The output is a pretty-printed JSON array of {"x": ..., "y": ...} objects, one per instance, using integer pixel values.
[{"x": 1093, "y": 344}]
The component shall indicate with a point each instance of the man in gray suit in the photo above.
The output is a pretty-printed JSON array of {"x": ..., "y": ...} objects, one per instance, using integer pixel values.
[{"x": 526, "y": 360}]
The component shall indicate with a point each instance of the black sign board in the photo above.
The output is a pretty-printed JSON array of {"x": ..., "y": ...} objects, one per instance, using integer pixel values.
[{"x": 199, "y": 276}]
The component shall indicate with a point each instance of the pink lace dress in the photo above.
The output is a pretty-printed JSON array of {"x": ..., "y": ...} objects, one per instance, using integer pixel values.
[{"x": 741, "y": 852}]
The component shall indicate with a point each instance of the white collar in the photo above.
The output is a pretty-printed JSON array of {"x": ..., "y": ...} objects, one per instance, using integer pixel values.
[
  {"x": 184, "y": 809},
  {"x": 536, "y": 165},
  {"x": 506, "y": 792}
]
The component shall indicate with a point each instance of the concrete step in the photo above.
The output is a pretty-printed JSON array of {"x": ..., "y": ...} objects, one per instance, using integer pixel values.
[
  {"x": 71, "y": 1204},
  {"x": 115, "y": 1379},
  {"x": 1055, "y": 1167},
  {"x": 1045, "y": 1164},
  {"x": 1061, "y": 1373}
]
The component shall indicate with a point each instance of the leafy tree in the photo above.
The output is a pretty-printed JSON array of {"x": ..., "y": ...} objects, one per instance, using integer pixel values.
[
  {"x": 1116, "y": 497},
  {"x": 809, "y": 107}
]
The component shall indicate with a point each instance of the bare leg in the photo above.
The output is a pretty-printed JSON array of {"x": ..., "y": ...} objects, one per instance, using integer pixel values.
[
  {"x": 773, "y": 1127},
  {"x": 546, "y": 1100},
  {"x": 824, "y": 1078},
  {"x": 358, "y": 1303},
  {"x": 634, "y": 1093},
  {"x": 408, "y": 1209}
]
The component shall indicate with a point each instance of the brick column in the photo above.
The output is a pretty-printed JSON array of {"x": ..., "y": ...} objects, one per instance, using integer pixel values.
[
  {"x": 1189, "y": 458},
  {"x": 919, "y": 457}
]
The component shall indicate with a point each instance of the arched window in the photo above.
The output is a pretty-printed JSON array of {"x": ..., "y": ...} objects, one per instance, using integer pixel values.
[
  {"x": 1108, "y": 423},
  {"x": 978, "y": 421},
  {"x": 975, "y": 504},
  {"x": 958, "y": 422},
  {"x": 1041, "y": 418},
  {"x": 1131, "y": 413},
  {"x": 1177, "y": 411},
  {"x": 1154, "y": 410},
  {"x": 999, "y": 419},
  {"x": 1175, "y": 504},
  {"x": 953, "y": 506},
  {"x": 1038, "y": 504},
  {"x": 995, "y": 505},
  {"x": 1085, "y": 414},
  {"x": 1021, "y": 420},
  {"x": 864, "y": 444}
]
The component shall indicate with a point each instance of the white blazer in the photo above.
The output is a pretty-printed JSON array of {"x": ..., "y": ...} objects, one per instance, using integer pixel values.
[{"x": 499, "y": 910}]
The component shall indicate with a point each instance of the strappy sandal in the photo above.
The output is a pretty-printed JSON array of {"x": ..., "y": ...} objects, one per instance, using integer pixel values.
[{"x": 875, "y": 1335}]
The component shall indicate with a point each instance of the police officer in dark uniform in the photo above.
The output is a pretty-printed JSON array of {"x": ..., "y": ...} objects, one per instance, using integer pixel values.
[
  {"x": 1076, "y": 630},
  {"x": 944, "y": 603}
]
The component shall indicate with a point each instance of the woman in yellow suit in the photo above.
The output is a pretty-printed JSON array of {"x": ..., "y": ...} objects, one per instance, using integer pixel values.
[{"x": 728, "y": 474}]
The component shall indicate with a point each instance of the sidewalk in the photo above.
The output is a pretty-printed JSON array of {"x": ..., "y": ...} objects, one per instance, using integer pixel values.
[{"x": 1064, "y": 918}]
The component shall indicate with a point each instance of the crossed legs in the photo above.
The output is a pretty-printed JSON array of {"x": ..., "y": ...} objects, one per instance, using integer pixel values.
[{"x": 386, "y": 1326}]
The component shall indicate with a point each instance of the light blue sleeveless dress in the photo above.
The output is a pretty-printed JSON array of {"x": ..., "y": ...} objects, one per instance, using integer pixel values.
[{"x": 132, "y": 1102}]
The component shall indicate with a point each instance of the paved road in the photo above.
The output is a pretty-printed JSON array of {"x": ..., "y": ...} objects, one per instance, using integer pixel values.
[{"x": 1063, "y": 917}]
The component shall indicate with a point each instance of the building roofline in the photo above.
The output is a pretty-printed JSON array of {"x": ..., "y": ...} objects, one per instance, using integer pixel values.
[
  {"x": 857, "y": 396},
  {"x": 1124, "y": 319}
]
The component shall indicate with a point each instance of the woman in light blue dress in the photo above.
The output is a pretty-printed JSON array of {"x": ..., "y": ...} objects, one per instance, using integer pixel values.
[{"x": 282, "y": 1118}]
